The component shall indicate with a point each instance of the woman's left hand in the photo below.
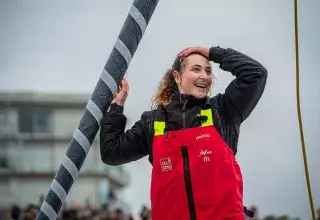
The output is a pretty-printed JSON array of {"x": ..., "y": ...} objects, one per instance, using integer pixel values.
[{"x": 202, "y": 50}]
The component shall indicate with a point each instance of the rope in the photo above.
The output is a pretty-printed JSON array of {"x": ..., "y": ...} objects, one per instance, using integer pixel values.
[{"x": 304, "y": 153}]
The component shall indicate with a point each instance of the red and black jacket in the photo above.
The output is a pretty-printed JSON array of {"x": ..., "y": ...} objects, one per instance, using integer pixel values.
[{"x": 230, "y": 109}]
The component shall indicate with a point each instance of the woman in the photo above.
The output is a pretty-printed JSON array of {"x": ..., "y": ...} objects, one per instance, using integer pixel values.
[{"x": 191, "y": 139}]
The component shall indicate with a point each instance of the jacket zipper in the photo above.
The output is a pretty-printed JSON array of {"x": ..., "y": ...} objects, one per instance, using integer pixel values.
[{"x": 187, "y": 177}]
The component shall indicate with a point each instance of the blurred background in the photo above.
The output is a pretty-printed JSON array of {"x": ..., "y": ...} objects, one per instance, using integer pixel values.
[{"x": 51, "y": 57}]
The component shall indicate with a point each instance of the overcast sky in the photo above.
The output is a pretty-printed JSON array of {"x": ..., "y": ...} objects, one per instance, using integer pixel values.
[{"x": 62, "y": 46}]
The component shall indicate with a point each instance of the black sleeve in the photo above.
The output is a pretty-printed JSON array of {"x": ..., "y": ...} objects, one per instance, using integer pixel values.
[
  {"x": 243, "y": 93},
  {"x": 118, "y": 146}
]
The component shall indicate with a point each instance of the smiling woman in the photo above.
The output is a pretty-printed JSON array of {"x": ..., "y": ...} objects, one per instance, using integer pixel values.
[
  {"x": 191, "y": 139},
  {"x": 190, "y": 74}
]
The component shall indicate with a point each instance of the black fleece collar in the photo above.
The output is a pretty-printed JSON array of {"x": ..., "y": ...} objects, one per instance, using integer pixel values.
[{"x": 179, "y": 100}]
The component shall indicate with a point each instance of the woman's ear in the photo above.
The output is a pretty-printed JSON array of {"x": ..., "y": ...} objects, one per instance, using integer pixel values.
[{"x": 177, "y": 77}]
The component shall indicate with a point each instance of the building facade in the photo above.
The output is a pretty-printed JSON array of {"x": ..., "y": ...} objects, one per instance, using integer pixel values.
[{"x": 35, "y": 132}]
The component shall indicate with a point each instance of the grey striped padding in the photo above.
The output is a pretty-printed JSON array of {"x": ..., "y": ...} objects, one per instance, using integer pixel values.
[
  {"x": 82, "y": 140},
  {"x": 58, "y": 190},
  {"x": 48, "y": 211},
  {"x": 95, "y": 111},
  {"x": 70, "y": 166},
  {"x": 123, "y": 50},
  {"x": 137, "y": 16},
  {"x": 109, "y": 81}
]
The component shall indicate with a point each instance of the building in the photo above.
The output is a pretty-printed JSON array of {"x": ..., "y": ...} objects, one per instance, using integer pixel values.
[{"x": 35, "y": 132}]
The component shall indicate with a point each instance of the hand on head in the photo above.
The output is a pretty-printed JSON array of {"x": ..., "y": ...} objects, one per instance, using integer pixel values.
[
  {"x": 193, "y": 73},
  {"x": 192, "y": 76},
  {"x": 189, "y": 50}
]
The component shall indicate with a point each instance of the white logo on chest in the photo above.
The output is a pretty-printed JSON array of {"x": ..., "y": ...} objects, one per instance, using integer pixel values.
[
  {"x": 202, "y": 136},
  {"x": 204, "y": 154}
]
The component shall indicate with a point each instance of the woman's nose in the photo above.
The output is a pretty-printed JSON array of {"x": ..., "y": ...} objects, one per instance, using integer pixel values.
[{"x": 205, "y": 75}]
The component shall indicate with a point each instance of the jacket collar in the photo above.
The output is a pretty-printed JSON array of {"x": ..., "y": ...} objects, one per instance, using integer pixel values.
[{"x": 188, "y": 101}]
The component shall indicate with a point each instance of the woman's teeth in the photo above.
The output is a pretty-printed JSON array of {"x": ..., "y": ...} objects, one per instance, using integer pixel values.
[{"x": 200, "y": 85}]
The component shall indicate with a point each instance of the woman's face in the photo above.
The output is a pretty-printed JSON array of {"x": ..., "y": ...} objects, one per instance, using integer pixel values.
[{"x": 195, "y": 77}]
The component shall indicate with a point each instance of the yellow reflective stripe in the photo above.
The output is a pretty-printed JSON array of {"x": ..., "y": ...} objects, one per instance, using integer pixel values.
[
  {"x": 208, "y": 113},
  {"x": 158, "y": 127}
]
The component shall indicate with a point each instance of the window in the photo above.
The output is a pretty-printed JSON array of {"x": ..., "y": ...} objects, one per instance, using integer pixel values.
[
  {"x": 35, "y": 120},
  {"x": 3, "y": 162},
  {"x": 3, "y": 121}
]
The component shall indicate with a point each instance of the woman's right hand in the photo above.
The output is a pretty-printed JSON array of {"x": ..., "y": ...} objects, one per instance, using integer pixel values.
[
  {"x": 199, "y": 49},
  {"x": 122, "y": 95}
]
